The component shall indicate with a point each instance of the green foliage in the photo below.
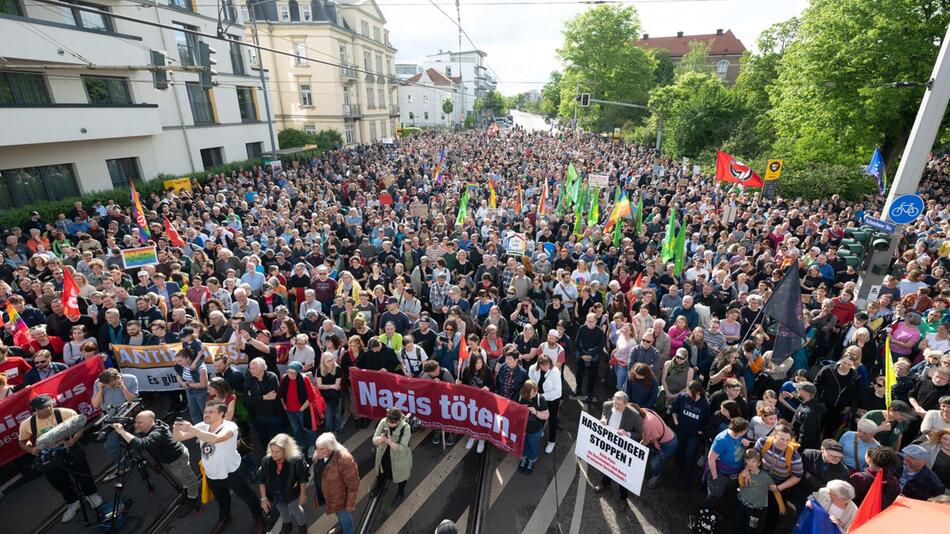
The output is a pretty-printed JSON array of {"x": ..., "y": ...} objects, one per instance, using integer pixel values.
[
  {"x": 597, "y": 54},
  {"x": 469, "y": 121},
  {"x": 291, "y": 137},
  {"x": 447, "y": 106},
  {"x": 494, "y": 102},
  {"x": 815, "y": 180},
  {"x": 698, "y": 114},
  {"x": 408, "y": 131},
  {"x": 696, "y": 60},
  {"x": 551, "y": 96},
  {"x": 663, "y": 73},
  {"x": 327, "y": 139},
  {"x": 832, "y": 99}
]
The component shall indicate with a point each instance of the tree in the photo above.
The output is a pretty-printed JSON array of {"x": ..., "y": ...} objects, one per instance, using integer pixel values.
[
  {"x": 698, "y": 114},
  {"x": 696, "y": 60},
  {"x": 598, "y": 53},
  {"x": 448, "y": 107},
  {"x": 292, "y": 137},
  {"x": 551, "y": 95},
  {"x": 663, "y": 73},
  {"x": 494, "y": 102},
  {"x": 327, "y": 139},
  {"x": 832, "y": 99}
]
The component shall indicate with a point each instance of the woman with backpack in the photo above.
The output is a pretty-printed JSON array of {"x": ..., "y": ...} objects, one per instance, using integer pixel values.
[{"x": 411, "y": 357}]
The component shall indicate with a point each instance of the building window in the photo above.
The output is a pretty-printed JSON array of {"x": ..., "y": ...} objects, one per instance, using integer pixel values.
[
  {"x": 306, "y": 95},
  {"x": 377, "y": 36},
  {"x": 182, "y": 4},
  {"x": 201, "y": 107},
  {"x": 372, "y": 131},
  {"x": 426, "y": 115},
  {"x": 23, "y": 88},
  {"x": 237, "y": 58},
  {"x": 310, "y": 128},
  {"x": 103, "y": 90},
  {"x": 245, "y": 14},
  {"x": 87, "y": 19},
  {"x": 349, "y": 133},
  {"x": 370, "y": 97},
  {"x": 11, "y": 7},
  {"x": 346, "y": 96},
  {"x": 212, "y": 157},
  {"x": 722, "y": 67},
  {"x": 448, "y": 70},
  {"x": 409, "y": 98},
  {"x": 412, "y": 116},
  {"x": 245, "y": 97},
  {"x": 300, "y": 53},
  {"x": 123, "y": 170},
  {"x": 381, "y": 94},
  {"x": 284, "y": 13},
  {"x": 443, "y": 116},
  {"x": 367, "y": 62},
  {"x": 364, "y": 29},
  {"x": 305, "y": 13},
  {"x": 379, "y": 64},
  {"x": 29, "y": 185},
  {"x": 425, "y": 99},
  {"x": 254, "y": 150},
  {"x": 187, "y": 46}
]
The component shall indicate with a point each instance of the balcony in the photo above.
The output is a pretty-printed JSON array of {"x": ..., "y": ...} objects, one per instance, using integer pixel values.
[
  {"x": 348, "y": 74},
  {"x": 36, "y": 40},
  {"x": 393, "y": 110},
  {"x": 352, "y": 111},
  {"x": 61, "y": 123}
]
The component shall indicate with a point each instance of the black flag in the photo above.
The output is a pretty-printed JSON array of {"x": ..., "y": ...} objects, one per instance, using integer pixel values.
[{"x": 785, "y": 308}]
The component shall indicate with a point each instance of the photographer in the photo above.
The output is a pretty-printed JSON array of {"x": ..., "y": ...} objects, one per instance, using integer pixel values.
[
  {"x": 155, "y": 437},
  {"x": 113, "y": 389},
  {"x": 65, "y": 461}
]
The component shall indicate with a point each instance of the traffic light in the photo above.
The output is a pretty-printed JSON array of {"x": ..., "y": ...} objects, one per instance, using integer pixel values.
[
  {"x": 584, "y": 99},
  {"x": 853, "y": 248},
  {"x": 207, "y": 62}
]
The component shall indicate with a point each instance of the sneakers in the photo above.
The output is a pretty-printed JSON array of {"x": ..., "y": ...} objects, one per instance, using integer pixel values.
[
  {"x": 436, "y": 437},
  {"x": 469, "y": 443},
  {"x": 481, "y": 446},
  {"x": 522, "y": 465},
  {"x": 398, "y": 499},
  {"x": 94, "y": 500},
  {"x": 550, "y": 448},
  {"x": 71, "y": 511},
  {"x": 450, "y": 439}
]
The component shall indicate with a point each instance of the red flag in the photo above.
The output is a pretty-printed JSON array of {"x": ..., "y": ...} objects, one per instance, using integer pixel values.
[
  {"x": 729, "y": 169},
  {"x": 463, "y": 356},
  {"x": 173, "y": 234},
  {"x": 70, "y": 294},
  {"x": 639, "y": 281},
  {"x": 871, "y": 505}
]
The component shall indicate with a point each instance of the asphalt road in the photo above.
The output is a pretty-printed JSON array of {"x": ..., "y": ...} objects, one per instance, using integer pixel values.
[{"x": 529, "y": 121}]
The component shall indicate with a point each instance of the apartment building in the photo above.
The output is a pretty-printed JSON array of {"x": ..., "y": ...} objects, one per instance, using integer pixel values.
[
  {"x": 83, "y": 108},
  {"x": 725, "y": 50},
  {"x": 421, "y": 99},
  {"x": 476, "y": 77},
  {"x": 355, "y": 93}
]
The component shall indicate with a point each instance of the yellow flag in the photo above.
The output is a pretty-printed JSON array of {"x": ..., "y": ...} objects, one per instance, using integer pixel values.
[{"x": 890, "y": 375}]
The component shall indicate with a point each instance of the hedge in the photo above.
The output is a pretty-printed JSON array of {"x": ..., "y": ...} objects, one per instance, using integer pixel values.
[{"x": 50, "y": 210}]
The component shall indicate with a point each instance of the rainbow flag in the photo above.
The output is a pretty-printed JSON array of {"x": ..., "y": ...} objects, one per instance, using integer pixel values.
[
  {"x": 621, "y": 210},
  {"x": 492, "y": 197},
  {"x": 543, "y": 199},
  {"x": 438, "y": 168},
  {"x": 133, "y": 258},
  {"x": 21, "y": 332},
  {"x": 139, "y": 215}
]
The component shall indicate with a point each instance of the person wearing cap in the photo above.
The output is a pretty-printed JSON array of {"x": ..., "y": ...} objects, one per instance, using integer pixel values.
[
  {"x": 393, "y": 454},
  {"x": 891, "y": 423},
  {"x": 44, "y": 418},
  {"x": 855, "y": 443},
  {"x": 918, "y": 481},
  {"x": 806, "y": 423},
  {"x": 298, "y": 398},
  {"x": 401, "y": 322},
  {"x": 821, "y": 466}
]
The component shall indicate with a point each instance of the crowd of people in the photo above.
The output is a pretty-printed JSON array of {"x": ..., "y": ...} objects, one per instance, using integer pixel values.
[{"x": 332, "y": 260}]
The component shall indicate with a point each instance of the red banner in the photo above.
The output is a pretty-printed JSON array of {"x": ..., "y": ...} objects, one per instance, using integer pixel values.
[
  {"x": 72, "y": 389},
  {"x": 442, "y": 405}
]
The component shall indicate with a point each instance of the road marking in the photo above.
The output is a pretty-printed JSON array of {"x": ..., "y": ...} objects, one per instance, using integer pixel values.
[
  {"x": 505, "y": 470},
  {"x": 398, "y": 519},
  {"x": 579, "y": 499},
  {"x": 328, "y": 521},
  {"x": 544, "y": 512}
]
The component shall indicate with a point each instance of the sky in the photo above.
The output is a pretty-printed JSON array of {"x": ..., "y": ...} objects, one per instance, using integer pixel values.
[{"x": 522, "y": 40}]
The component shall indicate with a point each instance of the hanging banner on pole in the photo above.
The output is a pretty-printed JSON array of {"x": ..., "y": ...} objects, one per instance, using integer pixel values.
[{"x": 618, "y": 457}]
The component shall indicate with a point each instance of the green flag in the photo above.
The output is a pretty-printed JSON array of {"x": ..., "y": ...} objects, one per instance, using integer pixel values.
[
  {"x": 463, "y": 208},
  {"x": 570, "y": 183},
  {"x": 578, "y": 222},
  {"x": 640, "y": 217},
  {"x": 670, "y": 237},
  {"x": 679, "y": 250},
  {"x": 593, "y": 214},
  {"x": 561, "y": 193},
  {"x": 618, "y": 224}
]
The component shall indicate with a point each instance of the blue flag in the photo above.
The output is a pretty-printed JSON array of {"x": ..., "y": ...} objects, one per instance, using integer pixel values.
[
  {"x": 815, "y": 520},
  {"x": 876, "y": 169}
]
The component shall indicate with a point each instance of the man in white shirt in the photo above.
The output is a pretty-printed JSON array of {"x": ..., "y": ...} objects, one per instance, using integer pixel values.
[{"x": 217, "y": 440}]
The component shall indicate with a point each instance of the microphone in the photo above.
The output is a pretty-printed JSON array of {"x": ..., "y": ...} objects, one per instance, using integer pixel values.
[{"x": 61, "y": 432}]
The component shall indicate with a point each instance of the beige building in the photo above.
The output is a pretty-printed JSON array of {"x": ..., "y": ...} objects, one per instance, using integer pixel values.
[{"x": 307, "y": 95}]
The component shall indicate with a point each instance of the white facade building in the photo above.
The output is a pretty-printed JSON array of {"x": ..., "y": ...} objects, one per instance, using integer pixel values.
[
  {"x": 81, "y": 112},
  {"x": 476, "y": 76},
  {"x": 422, "y": 96}
]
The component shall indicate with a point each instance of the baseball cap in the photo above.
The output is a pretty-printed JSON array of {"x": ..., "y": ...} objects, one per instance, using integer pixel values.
[
  {"x": 916, "y": 451},
  {"x": 40, "y": 401},
  {"x": 807, "y": 387},
  {"x": 832, "y": 446}
]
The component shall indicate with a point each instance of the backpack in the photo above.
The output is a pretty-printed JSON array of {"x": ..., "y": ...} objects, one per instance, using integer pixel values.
[
  {"x": 706, "y": 521},
  {"x": 789, "y": 451}
]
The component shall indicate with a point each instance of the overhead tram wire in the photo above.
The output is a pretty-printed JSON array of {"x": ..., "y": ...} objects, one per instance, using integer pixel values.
[
  {"x": 353, "y": 68},
  {"x": 498, "y": 3}
]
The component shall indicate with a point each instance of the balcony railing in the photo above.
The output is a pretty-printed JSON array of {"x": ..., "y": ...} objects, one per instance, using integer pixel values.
[
  {"x": 393, "y": 109},
  {"x": 348, "y": 74},
  {"x": 352, "y": 111}
]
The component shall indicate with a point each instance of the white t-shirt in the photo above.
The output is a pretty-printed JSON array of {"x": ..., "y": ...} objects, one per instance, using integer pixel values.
[{"x": 220, "y": 459}]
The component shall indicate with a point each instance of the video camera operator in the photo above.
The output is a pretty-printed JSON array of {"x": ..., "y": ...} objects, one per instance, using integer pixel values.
[
  {"x": 62, "y": 462},
  {"x": 113, "y": 389},
  {"x": 155, "y": 437}
]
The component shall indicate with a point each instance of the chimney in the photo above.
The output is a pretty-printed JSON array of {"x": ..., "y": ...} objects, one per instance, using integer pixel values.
[
  {"x": 719, "y": 31},
  {"x": 646, "y": 36},
  {"x": 679, "y": 34}
]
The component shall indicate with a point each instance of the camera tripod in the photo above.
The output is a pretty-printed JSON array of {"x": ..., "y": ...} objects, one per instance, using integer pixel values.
[{"x": 115, "y": 517}]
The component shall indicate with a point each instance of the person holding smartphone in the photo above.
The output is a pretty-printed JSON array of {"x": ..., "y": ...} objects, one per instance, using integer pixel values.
[{"x": 393, "y": 453}]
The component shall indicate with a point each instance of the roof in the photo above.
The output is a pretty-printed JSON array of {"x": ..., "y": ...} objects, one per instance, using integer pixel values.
[
  {"x": 435, "y": 76},
  {"x": 720, "y": 44}
]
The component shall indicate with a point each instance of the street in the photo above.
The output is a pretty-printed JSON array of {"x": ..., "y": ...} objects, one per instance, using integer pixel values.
[{"x": 529, "y": 121}]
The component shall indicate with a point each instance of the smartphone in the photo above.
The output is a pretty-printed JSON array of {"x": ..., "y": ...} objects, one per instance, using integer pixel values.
[{"x": 245, "y": 326}]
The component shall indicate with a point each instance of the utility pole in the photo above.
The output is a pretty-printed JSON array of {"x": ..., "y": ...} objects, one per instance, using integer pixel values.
[
  {"x": 577, "y": 95},
  {"x": 260, "y": 71},
  {"x": 458, "y": 16},
  {"x": 921, "y": 140}
]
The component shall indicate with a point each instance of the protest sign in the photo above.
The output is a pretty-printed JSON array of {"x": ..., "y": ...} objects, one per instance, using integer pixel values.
[
  {"x": 598, "y": 180},
  {"x": 72, "y": 389},
  {"x": 516, "y": 245},
  {"x": 618, "y": 457},
  {"x": 442, "y": 405},
  {"x": 178, "y": 184},
  {"x": 133, "y": 258},
  {"x": 420, "y": 210},
  {"x": 153, "y": 365}
]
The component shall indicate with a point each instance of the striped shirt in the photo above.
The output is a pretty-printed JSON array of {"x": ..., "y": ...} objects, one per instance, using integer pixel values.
[{"x": 774, "y": 462}]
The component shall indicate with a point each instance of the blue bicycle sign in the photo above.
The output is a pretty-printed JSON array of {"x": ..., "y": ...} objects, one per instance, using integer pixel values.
[{"x": 906, "y": 209}]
